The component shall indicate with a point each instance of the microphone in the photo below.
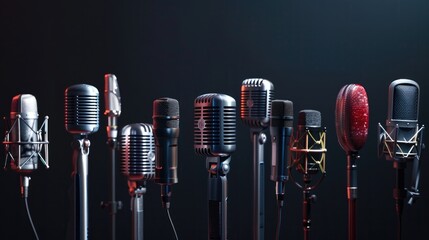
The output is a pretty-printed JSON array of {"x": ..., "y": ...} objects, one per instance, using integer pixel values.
[
  {"x": 215, "y": 138},
  {"x": 25, "y": 142},
  {"x": 112, "y": 100},
  {"x": 81, "y": 119},
  {"x": 352, "y": 123},
  {"x": 138, "y": 165},
  {"x": 281, "y": 129},
  {"x": 401, "y": 141},
  {"x": 255, "y": 110},
  {"x": 166, "y": 132},
  {"x": 308, "y": 150}
]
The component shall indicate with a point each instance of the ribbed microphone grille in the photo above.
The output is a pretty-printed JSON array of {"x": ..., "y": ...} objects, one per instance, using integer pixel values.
[
  {"x": 406, "y": 100},
  {"x": 138, "y": 151},
  {"x": 81, "y": 109},
  {"x": 214, "y": 124},
  {"x": 255, "y": 102}
]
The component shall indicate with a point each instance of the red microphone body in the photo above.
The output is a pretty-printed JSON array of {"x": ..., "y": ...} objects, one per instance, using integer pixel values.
[{"x": 352, "y": 121}]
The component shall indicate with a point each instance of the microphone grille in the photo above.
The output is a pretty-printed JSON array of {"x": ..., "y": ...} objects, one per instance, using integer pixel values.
[
  {"x": 405, "y": 99},
  {"x": 166, "y": 113},
  {"x": 282, "y": 113},
  {"x": 214, "y": 124},
  {"x": 309, "y": 118},
  {"x": 138, "y": 151},
  {"x": 81, "y": 109},
  {"x": 255, "y": 102}
]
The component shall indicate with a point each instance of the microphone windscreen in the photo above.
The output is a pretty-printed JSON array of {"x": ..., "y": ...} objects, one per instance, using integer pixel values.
[
  {"x": 214, "y": 124},
  {"x": 138, "y": 151},
  {"x": 255, "y": 102},
  {"x": 282, "y": 113},
  {"x": 403, "y": 100},
  {"x": 309, "y": 118},
  {"x": 81, "y": 109},
  {"x": 352, "y": 117},
  {"x": 165, "y": 113}
]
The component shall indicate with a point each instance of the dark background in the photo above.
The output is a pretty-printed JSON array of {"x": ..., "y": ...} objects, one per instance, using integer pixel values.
[{"x": 182, "y": 49}]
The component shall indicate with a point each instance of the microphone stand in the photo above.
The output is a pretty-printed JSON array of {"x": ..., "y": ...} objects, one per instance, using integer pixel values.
[
  {"x": 258, "y": 140},
  {"x": 80, "y": 188},
  {"x": 137, "y": 209},
  {"x": 218, "y": 168},
  {"x": 352, "y": 193},
  {"x": 113, "y": 206},
  {"x": 308, "y": 199},
  {"x": 399, "y": 194}
]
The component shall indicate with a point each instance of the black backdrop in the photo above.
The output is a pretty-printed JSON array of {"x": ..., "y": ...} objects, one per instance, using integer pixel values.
[{"x": 181, "y": 49}]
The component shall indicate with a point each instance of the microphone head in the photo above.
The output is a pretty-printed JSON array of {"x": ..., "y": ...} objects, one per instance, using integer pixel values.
[
  {"x": 214, "y": 124},
  {"x": 309, "y": 119},
  {"x": 282, "y": 113},
  {"x": 138, "y": 151},
  {"x": 112, "y": 97},
  {"x": 24, "y": 156},
  {"x": 255, "y": 102},
  {"x": 403, "y": 106},
  {"x": 352, "y": 117},
  {"x": 165, "y": 113},
  {"x": 81, "y": 109}
]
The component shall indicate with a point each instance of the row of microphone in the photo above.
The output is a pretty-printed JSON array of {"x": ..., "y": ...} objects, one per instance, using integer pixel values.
[{"x": 149, "y": 151}]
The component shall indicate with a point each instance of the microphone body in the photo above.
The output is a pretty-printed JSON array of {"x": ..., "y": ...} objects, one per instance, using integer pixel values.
[
  {"x": 166, "y": 133},
  {"x": 138, "y": 165},
  {"x": 215, "y": 138},
  {"x": 255, "y": 110},
  {"x": 81, "y": 119},
  {"x": 352, "y": 123}
]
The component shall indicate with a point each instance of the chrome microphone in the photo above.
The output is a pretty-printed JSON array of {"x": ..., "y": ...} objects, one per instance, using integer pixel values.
[
  {"x": 215, "y": 138},
  {"x": 166, "y": 132},
  {"x": 112, "y": 100},
  {"x": 81, "y": 119},
  {"x": 138, "y": 165},
  {"x": 255, "y": 110}
]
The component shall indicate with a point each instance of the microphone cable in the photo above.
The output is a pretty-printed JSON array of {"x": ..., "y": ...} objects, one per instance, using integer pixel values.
[
  {"x": 30, "y": 219},
  {"x": 171, "y": 222}
]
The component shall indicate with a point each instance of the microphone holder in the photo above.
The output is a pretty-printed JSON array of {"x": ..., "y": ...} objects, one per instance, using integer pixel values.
[
  {"x": 218, "y": 168},
  {"x": 80, "y": 147},
  {"x": 137, "y": 193},
  {"x": 112, "y": 206},
  {"x": 258, "y": 140}
]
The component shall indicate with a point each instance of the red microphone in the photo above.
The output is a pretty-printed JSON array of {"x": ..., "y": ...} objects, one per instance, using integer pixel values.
[{"x": 352, "y": 121}]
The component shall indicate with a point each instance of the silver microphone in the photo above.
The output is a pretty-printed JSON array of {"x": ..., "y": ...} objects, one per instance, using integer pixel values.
[{"x": 112, "y": 100}]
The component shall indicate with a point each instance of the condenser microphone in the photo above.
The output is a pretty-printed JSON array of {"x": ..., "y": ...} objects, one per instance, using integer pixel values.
[
  {"x": 352, "y": 123},
  {"x": 138, "y": 165},
  {"x": 81, "y": 119},
  {"x": 166, "y": 132},
  {"x": 81, "y": 109},
  {"x": 401, "y": 140},
  {"x": 255, "y": 110},
  {"x": 281, "y": 129},
  {"x": 215, "y": 138}
]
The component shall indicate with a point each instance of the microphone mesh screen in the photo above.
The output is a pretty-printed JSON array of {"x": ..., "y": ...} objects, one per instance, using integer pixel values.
[{"x": 405, "y": 102}]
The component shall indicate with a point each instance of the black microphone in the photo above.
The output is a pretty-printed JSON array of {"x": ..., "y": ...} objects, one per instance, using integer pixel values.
[
  {"x": 81, "y": 119},
  {"x": 308, "y": 151},
  {"x": 255, "y": 110},
  {"x": 214, "y": 137},
  {"x": 138, "y": 165},
  {"x": 281, "y": 129},
  {"x": 166, "y": 131},
  {"x": 401, "y": 141}
]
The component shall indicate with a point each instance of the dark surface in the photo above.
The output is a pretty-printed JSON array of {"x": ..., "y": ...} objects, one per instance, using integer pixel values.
[{"x": 182, "y": 49}]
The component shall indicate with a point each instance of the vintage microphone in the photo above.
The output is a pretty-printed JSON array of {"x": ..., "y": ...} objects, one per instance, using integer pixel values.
[
  {"x": 401, "y": 140},
  {"x": 112, "y": 100},
  {"x": 352, "y": 123},
  {"x": 214, "y": 137},
  {"x": 255, "y": 110},
  {"x": 138, "y": 165},
  {"x": 281, "y": 129},
  {"x": 25, "y": 143},
  {"x": 308, "y": 150},
  {"x": 81, "y": 119}
]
